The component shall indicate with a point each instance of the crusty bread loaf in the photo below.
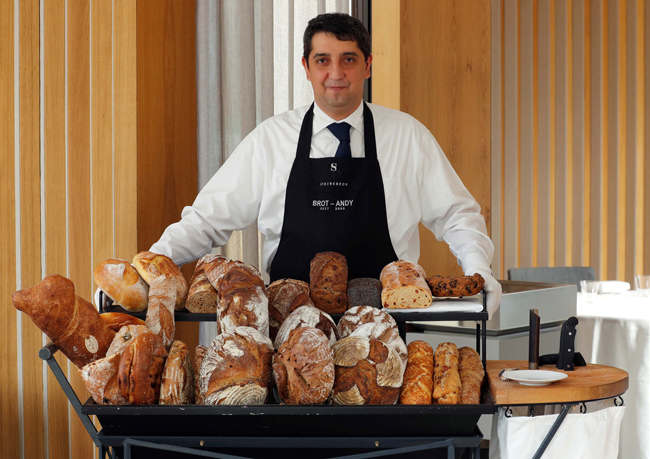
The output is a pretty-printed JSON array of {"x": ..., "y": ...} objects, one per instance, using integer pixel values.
[
  {"x": 367, "y": 372},
  {"x": 140, "y": 370},
  {"x": 242, "y": 300},
  {"x": 303, "y": 367},
  {"x": 100, "y": 378},
  {"x": 197, "y": 359},
  {"x": 404, "y": 286},
  {"x": 202, "y": 297},
  {"x": 69, "y": 321},
  {"x": 328, "y": 281},
  {"x": 455, "y": 286},
  {"x": 386, "y": 334},
  {"x": 446, "y": 379},
  {"x": 117, "y": 320},
  {"x": 285, "y": 295},
  {"x": 364, "y": 291},
  {"x": 122, "y": 283},
  {"x": 160, "y": 313},
  {"x": 418, "y": 377},
  {"x": 215, "y": 266},
  {"x": 236, "y": 369},
  {"x": 471, "y": 375},
  {"x": 176, "y": 387},
  {"x": 152, "y": 266},
  {"x": 307, "y": 316},
  {"x": 124, "y": 337}
]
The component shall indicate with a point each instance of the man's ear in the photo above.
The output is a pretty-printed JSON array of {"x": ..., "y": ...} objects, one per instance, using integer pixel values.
[
  {"x": 305, "y": 65},
  {"x": 368, "y": 64}
]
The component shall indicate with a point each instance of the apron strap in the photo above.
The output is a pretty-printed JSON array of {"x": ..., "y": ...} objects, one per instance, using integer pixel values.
[{"x": 304, "y": 141}]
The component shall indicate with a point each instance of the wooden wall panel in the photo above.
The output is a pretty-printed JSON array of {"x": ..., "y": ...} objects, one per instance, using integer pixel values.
[{"x": 386, "y": 49}]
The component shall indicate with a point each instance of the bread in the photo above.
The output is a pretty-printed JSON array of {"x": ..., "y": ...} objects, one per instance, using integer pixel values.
[
  {"x": 446, "y": 379},
  {"x": 197, "y": 359},
  {"x": 152, "y": 266},
  {"x": 236, "y": 369},
  {"x": 117, "y": 320},
  {"x": 140, "y": 369},
  {"x": 69, "y": 321},
  {"x": 202, "y": 297},
  {"x": 177, "y": 387},
  {"x": 122, "y": 283},
  {"x": 471, "y": 375},
  {"x": 285, "y": 295},
  {"x": 456, "y": 286},
  {"x": 367, "y": 372},
  {"x": 160, "y": 313},
  {"x": 328, "y": 281},
  {"x": 404, "y": 286},
  {"x": 124, "y": 337},
  {"x": 307, "y": 316},
  {"x": 215, "y": 266},
  {"x": 100, "y": 378},
  {"x": 242, "y": 300},
  {"x": 364, "y": 291},
  {"x": 303, "y": 367},
  {"x": 418, "y": 377}
]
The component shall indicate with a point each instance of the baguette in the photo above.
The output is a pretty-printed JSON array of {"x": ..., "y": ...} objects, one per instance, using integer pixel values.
[
  {"x": 446, "y": 379},
  {"x": 471, "y": 375},
  {"x": 418, "y": 377}
]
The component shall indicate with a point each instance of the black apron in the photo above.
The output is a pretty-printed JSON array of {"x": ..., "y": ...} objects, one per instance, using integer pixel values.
[{"x": 334, "y": 204}]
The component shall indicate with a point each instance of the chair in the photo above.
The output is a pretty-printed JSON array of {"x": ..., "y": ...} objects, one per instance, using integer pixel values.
[{"x": 566, "y": 274}]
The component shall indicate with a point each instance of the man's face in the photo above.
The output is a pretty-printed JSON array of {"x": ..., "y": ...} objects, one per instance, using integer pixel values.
[{"x": 336, "y": 70}]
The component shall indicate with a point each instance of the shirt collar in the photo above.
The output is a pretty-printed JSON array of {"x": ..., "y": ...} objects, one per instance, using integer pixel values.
[{"x": 322, "y": 120}]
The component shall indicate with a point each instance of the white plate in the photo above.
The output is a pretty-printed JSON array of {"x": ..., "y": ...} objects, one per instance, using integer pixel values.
[
  {"x": 534, "y": 377},
  {"x": 613, "y": 287}
]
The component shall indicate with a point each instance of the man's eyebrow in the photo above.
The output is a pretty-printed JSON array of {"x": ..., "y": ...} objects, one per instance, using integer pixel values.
[
  {"x": 347, "y": 53},
  {"x": 317, "y": 55}
]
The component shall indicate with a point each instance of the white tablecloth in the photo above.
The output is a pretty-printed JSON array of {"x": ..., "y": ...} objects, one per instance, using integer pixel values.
[{"x": 614, "y": 329}]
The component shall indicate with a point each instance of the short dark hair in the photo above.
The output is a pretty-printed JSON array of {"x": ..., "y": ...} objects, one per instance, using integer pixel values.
[{"x": 343, "y": 26}]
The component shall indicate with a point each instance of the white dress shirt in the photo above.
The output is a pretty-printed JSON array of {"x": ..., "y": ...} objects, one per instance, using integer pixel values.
[{"x": 419, "y": 185}]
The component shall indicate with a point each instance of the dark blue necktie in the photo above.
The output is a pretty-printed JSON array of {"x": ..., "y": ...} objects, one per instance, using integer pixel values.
[{"x": 342, "y": 132}]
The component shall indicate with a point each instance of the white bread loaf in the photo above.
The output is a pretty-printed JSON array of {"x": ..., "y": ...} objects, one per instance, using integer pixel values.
[
  {"x": 404, "y": 286},
  {"x": 122, "y": 283}
]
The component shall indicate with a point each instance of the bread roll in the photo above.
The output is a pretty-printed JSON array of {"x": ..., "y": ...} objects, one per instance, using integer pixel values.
[
  {"x": 152, "y": 266},
  {"x": 418, "y": 377},
  {"x": 177, "y": 386},
  {"x": 202, "y": 297},
  {"x": 471, "y": 372},
  {"x": 69, "y": 321},
  {"x": 364, "y": 291},
  {"x": 307, "y": 316},
  {"x": 100, "y": 378},
  {"x": 404, "y": 286},
  {"x": 367, "y": 372},
  {"x": 197, "y": 359},
  {"x": 285, "y": 295},
  {"x": 117, "y": 320},
  {"x": 236, "y": 369},
  {"x": 160, "y": 313},
  {"x": 455, "y": 286},
  {"x": 303, "y": 367},
  {"x": 242, "y": 300},
  {"x": 124, "y": 337},
  {"x": 328, "y": 280},
  {"x": 446, "y": 379},
  {"x": 140, "y": 369},
  {"x": 122, "y": 283}
]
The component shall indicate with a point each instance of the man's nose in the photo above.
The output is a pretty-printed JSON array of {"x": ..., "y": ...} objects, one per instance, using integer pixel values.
[{"x": 336, "y": 71}]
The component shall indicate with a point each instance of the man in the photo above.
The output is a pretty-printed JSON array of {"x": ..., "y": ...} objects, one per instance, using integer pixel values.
[{"x": 338, "y": 175}]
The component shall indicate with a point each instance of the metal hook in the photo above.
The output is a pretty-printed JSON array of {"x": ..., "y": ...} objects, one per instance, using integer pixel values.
[
  {"x": 616, "y": 403},
  {"x": 508, "y": 412},
  {"x": 583, "y": 407}
]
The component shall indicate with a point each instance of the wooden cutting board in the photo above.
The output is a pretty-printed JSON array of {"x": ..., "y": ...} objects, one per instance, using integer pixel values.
[{"x": 592, "y": 382}]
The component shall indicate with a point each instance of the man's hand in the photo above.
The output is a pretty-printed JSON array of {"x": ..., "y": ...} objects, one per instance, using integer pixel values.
[{"x": 493, "y": 289}]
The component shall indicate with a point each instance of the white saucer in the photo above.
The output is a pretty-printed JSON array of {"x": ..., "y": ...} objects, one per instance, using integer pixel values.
[{"x": 534, "y": 377}]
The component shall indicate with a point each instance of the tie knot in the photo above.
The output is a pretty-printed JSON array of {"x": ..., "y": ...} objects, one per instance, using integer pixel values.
[{"x": 341, "y": 131}]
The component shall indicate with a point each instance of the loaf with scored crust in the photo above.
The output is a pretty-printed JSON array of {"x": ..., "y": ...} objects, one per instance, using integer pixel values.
[
  {"x": 201, "y": 297},
  {"x": 328, "y": 281},
  {"x": 285, "y": 296}
]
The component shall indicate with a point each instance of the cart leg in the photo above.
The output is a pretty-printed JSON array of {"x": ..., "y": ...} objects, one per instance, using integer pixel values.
[{"x": 552, "y": 431}]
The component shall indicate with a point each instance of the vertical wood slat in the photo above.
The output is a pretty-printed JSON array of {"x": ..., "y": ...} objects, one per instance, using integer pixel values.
[
  {"x": 580, "y": 162},
  {"x": 510, "y": 180},
  {"x": 609, "y": 142},
  {"x": 30, "y": 219},
  {"x": 9, "y": 434},
  {"x": 559, "y": 152},
  {"x": 55, "y": 197},
  {"x": 386, "y": 51},
  {"x": 496, "y": 138},
  {"x": 629, "y": 246},
  {"x": 621, "y": 137},
  {"x": 643, "y": 139},
  {"x": 587, "y": 259}
]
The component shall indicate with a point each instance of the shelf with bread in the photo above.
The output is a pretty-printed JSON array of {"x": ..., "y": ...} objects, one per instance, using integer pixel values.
[{"x": 292, "y": 357}]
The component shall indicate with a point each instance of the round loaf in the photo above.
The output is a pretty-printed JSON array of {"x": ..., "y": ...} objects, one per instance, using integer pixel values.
[
  {"x": 364, "y": 291},
  {"x": 120, "y": 281},
  {"x": 359, "y": 315},
  {"x": 386, "y": 334},
  {"x": 367, "y": 372},
  {"x": 236, "y": 369},
  {"x": 303, "y": 368},
  {"x": 285, "y": 295},
  {"x": 328, "y": 280},
  {"x": 177, "y": 387},
  {"x": 404, "y": 286},
  {"x": 152, "y": 266},
  {"x": 307, "y": 316}
]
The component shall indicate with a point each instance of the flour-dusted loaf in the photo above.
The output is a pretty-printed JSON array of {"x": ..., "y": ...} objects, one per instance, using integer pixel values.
[
  {"x": 285, "y": 295},
  {"x": 177, "y": 386},
  {"x": 242, "y": 300},
  {"x": 364, "y": 291},
  {"x": 471, "y": 372},
  {"x": 328, "y": 281},
  {"x": 140, "y": 370},
  {"x": 201, "y": 297},
  {"x": 160, "y": 313},
  {"x": 404, "y": 286},
  {"x": 367, "y": 372},
  {"x": 122, "y": 283},
  {"x": 69, "y": 321},
  {"x": 124, "y": 337},
  {"x": 307, "y": 316},
  {"x": 303, "y": 367},
  {"x": 442, "y": 286},
  {"x": 418, "y": 377},
  {"x": 100, "y": 378},
  {"x": 215, "y": 266},
  {"x": 117, "y": 320},
  {"x": 236, "y": 369},
  {"x": 446, "y": 379},
  {"x": 153, "y": 267},
  {"x": 386, "y": 334},
  {"x": 197, "y": 359}
]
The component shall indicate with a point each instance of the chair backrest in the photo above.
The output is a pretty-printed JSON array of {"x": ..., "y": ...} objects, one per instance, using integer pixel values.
[{"x": 566, "y": 274}]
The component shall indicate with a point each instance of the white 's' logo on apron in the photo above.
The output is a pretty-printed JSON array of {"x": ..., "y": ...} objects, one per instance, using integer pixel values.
[{"x": 333, "y": 167}]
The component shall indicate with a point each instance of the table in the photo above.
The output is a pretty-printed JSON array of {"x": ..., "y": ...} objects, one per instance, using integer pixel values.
[{"x": 614, "y": 329}]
